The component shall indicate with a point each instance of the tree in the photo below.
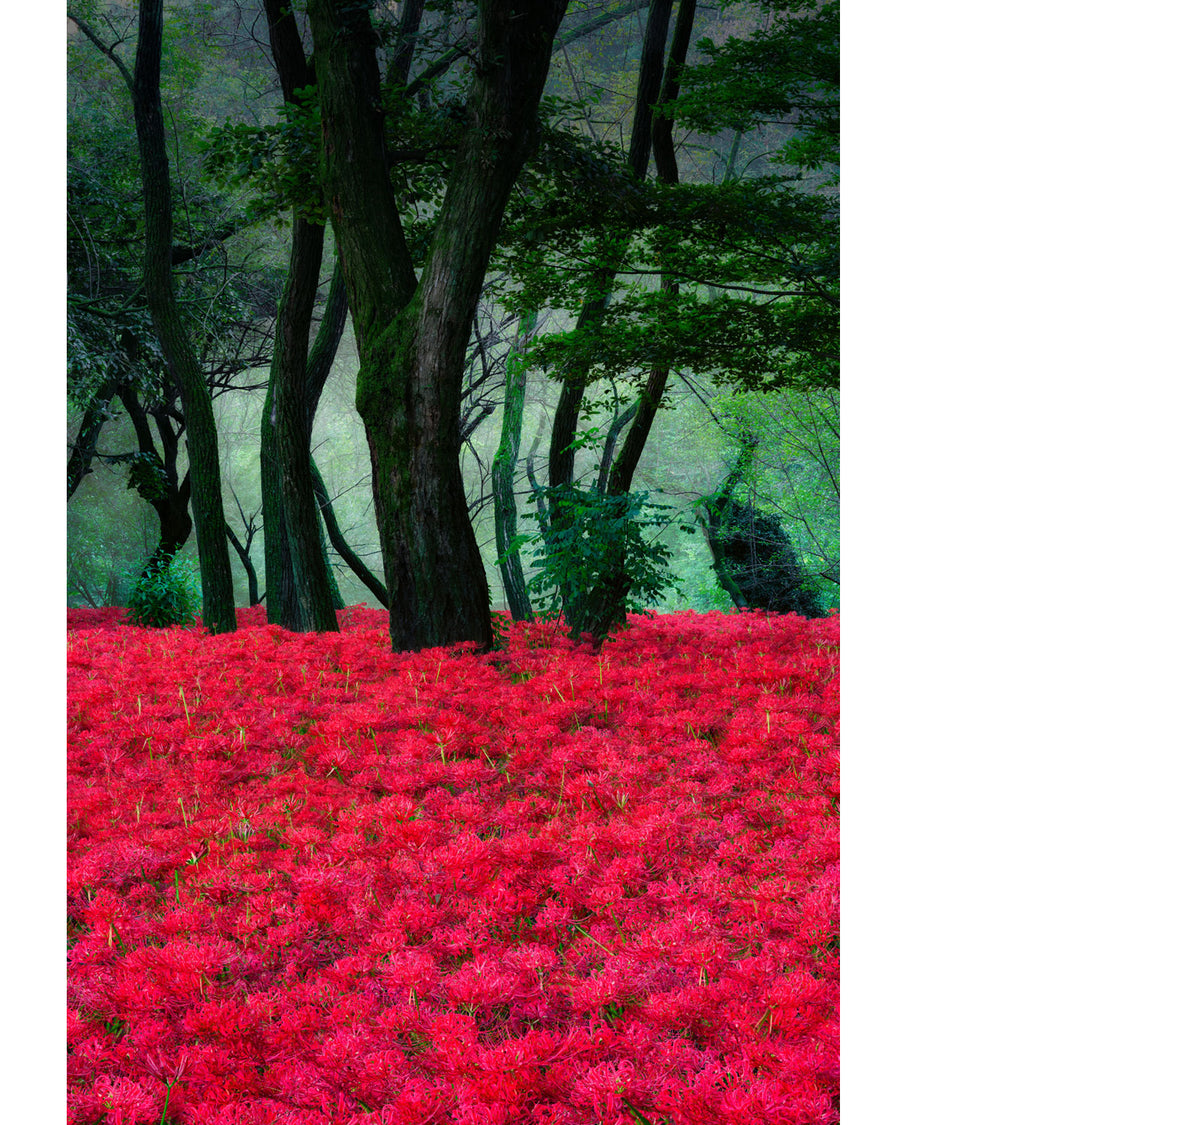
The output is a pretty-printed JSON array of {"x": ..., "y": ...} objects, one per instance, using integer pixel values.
[
  {"x": 718, "y": 272},
  {"x": 170, "y": 330},
  {"x": 300, "y": 592},
  {"x": 752, "y": 554},
  {"x": 746, "y": 269},
  {"x": 504, "y": 466},
  {"x": 133, "y": 330},
  {"x": 793, "y": 475},
  {"x": 412, "y": 335}
]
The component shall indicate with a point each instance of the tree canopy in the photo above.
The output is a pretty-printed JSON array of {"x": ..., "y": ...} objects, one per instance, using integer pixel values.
[{"x": 627, "y": 207}]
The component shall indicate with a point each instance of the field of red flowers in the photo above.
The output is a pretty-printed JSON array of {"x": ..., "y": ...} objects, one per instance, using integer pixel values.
[{"x": 312, "y": 881}]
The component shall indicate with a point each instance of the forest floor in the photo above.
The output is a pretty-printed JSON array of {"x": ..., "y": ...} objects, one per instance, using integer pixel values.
[{"x": 310, "y": 880}]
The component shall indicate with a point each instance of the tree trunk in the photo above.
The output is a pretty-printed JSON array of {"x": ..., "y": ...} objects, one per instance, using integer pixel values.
[
  {"x": 646, "y": 133},
  {"x": 412, "y": 339},
  {"x": 292, "y": 416},
  {"x": 282, "y": 602},
  {"x": 504, "y": 467},
  {"x": 216, "y": 578},
  {"x": 171, "y": 496},
  {"x": 335, "y": 594},
  {"x": 650, "y": 399},
  {"x": 79, "y": 463},
  {"x": 356, "y": 565},
  {"x": 300, "y": 593},
  {"x": 561, "y": 466},
  {"x": 277, "y": 557},
  {"x": 243, "y": 553}
]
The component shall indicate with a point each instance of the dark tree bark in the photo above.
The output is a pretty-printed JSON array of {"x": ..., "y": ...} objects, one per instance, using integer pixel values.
[
  {"x": 561, "y": 465},
  {"x": 280, "y": 593},
  {"x": 648, "y": 133},
  {"x": 79, "y": 463},
  {"x": 663, "y": 146},
  {"x": 410, "y": 24},
  {"x": 301, "y": 593},
  {"x": 356, "y": 565},
  {"x": 282, "y": 603},
  {"x": 504, "y": 467},
  {"x": 250, "y": 529},
  {"x": 216, "y": 579},
  {"x": 166, "y": 494},
  {"x": 292, "y": 420},
  {"x": 243, "y": 553},
  {"x": 412, "y": 339}
]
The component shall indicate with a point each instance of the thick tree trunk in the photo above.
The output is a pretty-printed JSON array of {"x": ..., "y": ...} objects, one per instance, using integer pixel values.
[
  {"x": 504, "y": 467},
  {"x": 216, "y": 578},
  {"x": 281, "y": 596},
  {"x": 412, "y": 340}
]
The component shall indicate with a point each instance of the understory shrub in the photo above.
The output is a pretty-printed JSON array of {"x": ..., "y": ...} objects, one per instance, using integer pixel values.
[
  {"x": 165, "y": 594},
  {"x": 595, "y": 559}
]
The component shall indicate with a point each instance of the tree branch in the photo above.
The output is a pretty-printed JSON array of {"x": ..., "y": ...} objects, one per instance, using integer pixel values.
[
  {"x": 107, "y": 52},
  {"x": 356, "y": 565}
]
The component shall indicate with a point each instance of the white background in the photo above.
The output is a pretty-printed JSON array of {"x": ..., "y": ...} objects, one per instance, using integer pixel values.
[{"x": 1020, "y": 618}]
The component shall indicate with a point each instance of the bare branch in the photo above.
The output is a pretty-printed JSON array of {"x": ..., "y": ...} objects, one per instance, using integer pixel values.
[{"x": 108, "y": 52}]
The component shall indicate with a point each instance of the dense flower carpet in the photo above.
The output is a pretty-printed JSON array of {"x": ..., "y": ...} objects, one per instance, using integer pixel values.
[{"x": 313, "y": 881}]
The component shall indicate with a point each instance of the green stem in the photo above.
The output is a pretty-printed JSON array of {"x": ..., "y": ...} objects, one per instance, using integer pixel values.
[{"x": 166, "y": 1101}]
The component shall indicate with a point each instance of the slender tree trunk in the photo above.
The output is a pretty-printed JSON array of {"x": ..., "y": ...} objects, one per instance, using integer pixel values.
[
  {"x": 243, "y": 553},
  {"x": 293, "y": 429},
  {"x": 336, "y": 595},
  {"x": 277, "y": 557},
  {"x": 620, "y": 480},
  {"x": 79, "y": 463},
  {"x": 561, "y": 466},
  {"x": 216, "y": 578},
  {"x": 504, "y": 467},
  {"x": 406, "y": 42},
  {"x": 663, "y": 145},
  {"x": 356, "y": 565},
  {"x": 300, "y": 594},
  {"x": 412, "y": 339},
  {"x": 171, "y": 497},
  {"x": 646, "y": 134}
]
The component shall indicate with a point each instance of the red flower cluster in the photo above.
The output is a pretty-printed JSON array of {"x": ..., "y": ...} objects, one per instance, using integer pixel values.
[{"x": 313, "y": 881}]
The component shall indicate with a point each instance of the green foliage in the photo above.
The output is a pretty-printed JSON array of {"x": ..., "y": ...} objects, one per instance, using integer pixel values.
[
  {"x": 753, "y": 345},
  {"x": 793, "y": 474},
  {"x": 165, "y": 595},
  {"x": 770, "y": 74},
  {"x": 595, "y": 559},
  {"x": 110, "y": 532},
  {"x": 754, "y": 256},
  {"x": 277, "y": 162},
  {"x": 148, "y": 476}
]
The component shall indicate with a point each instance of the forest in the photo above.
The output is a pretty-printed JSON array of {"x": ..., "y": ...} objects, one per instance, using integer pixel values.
[
  {"x": 452, "y": 309},
  {"x": 453, "y": 648}
]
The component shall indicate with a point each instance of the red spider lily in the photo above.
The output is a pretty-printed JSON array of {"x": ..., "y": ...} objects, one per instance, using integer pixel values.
[
  {"x": 157, "y": 1065},
  {"x": 327, "y": 883}
]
